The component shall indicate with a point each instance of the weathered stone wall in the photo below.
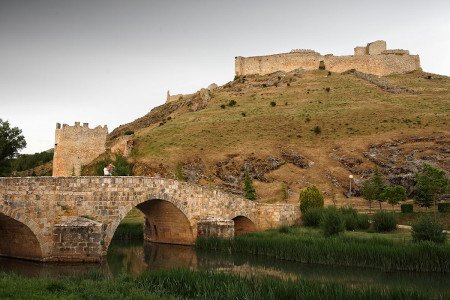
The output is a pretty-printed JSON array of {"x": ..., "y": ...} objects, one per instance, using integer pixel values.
[
  {"x": 123, "y": 145},
  {"x": 76, "y": 146},
  {"x": 49, "y": 205},
  {"x": 372, "y": 59},
  {"x": 77, "y": 240},
  {"x": 376, "y": 47}
]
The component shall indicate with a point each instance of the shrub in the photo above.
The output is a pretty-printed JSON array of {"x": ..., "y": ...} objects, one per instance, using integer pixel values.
[
  {"x": 232, "y": 103},
  {"x": 273, "y": 103},
  {"x": 426, "y": 229},
  {"x": 222, "y": 106},
  {"x": 312, "y": 217},
  {"x": 284, "y": 229},
  {"x": 363, "y": 222},
  {"x": 317, "y": 129},
  {"x": 249, "y": 190},
  {"x": 327, "y": 89},
  {"x": 179, "y": 174},
  {"x": 384, "y": 221},
  {"x": 444, "y": 207},
  {"x": 128, "y": 132},
  {"x": 407, "y": 208},
  {"x": 350, "y": 216},
  {"x": 310, "y": 197},
  {"x": 243, "y": 114},
  {"x": 333, "y": 222}
]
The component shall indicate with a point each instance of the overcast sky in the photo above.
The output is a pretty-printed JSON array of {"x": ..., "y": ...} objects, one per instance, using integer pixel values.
[{"x": 109, "y": 61}]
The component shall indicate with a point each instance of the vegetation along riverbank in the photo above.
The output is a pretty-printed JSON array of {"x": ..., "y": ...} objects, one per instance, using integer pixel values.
[
  {"x": 187, "y": 284},
  {"x": 388, "y": 251}
]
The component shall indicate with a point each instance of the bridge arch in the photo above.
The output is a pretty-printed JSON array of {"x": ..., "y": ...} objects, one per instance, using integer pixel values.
[
  {"x": 18, "y": 238},
  {"x": 243, "y": 224},
  {"x": 166, "y": 220}
]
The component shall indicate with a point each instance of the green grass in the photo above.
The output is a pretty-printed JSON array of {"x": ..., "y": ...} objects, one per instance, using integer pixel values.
[
  {"x": 387, "y": 252},
  {"x": 131, "y": 227},
  {"x": 187, "y": 284}
]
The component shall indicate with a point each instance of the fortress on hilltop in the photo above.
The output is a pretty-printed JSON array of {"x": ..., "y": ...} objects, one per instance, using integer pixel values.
[
  {"x": 76, "y": 146},
  {"x": 371, "y": 59}
]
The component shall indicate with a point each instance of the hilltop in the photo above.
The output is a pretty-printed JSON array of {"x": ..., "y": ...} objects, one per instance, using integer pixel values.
[{"x": 294, "y": 129}]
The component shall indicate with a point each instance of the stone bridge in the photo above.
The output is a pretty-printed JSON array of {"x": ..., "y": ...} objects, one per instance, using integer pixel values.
[{"x": 74, "y": 218}]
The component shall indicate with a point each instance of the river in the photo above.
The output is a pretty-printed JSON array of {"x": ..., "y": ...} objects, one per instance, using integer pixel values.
[{"x": 133, "y": 258}]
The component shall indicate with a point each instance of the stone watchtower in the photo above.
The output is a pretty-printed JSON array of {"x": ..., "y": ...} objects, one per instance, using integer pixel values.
[{"x": 76, "y": 146}]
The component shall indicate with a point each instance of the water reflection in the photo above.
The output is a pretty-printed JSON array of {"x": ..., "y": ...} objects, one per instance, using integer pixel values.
[{"x": 135, "y": 258}]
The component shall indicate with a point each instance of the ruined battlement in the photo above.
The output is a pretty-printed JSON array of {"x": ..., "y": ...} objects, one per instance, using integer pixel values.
[
  {"x": 76, "y": 146},
  {"x": 374, "y": 58}
]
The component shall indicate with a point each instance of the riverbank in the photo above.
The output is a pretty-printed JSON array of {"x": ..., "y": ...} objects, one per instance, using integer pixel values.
[
  {"x": 183, "y": 283},
  {"x": 387, "y": 252}
]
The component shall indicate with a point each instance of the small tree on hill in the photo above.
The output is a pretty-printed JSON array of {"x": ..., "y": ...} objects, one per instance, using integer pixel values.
[
  {"x": 310, "y": 197},
  {"x": 249, "y": 190},
  {"x": 373, "y": 188},
  {"x": 394, "y": 194},
  {"x": 430, "y": 183}
]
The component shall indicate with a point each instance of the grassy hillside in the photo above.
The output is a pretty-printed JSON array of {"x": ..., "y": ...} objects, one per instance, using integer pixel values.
[{"x": 294, "y": 129}]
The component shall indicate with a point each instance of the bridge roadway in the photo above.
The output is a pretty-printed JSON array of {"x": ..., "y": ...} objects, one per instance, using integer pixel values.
[{"x": 69, "y": 219}]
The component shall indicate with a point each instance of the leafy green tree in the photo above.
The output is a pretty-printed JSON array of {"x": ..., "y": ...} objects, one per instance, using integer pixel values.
[
  {"x": 373, "y": 188},
  {"x": 310, "y": 197},
  {"x": 249, "y": 190},
  {"x": 11, "y": 142},
  {"x": 430, "y": 183},
  {"x": 394, "y": 194}
]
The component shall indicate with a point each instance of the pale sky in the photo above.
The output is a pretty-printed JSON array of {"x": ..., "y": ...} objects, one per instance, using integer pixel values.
[{"x": 110, "y": 61}]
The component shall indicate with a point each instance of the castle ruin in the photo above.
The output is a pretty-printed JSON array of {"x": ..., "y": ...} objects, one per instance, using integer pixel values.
[
  {"x": 374, "y": 58},
  {"x": 76, "y": 146}
]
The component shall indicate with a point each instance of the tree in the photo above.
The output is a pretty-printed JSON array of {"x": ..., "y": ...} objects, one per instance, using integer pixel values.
[
  {"x": 11, "y": 142},
  {"x": 394, "y": 194},
  {"x": 373, "y": 188},
  {"x": 430, "y": 183},
  {"x": 310, "y": 197},
  {"x": 249, "y": 190}
]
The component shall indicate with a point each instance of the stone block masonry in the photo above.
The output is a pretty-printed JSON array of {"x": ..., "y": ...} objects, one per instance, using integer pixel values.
[
  {"x": 68, "y": 219},
  {"x": 372, "y": 59},
  {"x": 76, "y": 146}
]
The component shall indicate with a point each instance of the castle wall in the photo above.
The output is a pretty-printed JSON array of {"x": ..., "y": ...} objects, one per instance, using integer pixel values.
[
  {"x": 76, "y": 146},
  {"x": 372, "y": 59},
  {"x": 278, "y": 62},
  {"x": 376, "y": 47},
  {"x": 380, "y": 65}
]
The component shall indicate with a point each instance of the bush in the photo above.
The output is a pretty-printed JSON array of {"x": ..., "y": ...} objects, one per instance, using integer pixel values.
[
  {"x": 407, "y": 208},
  {"x": 333, "y": 222},
  {"x": 444, "y": 207},
  {"x": 312, "y": 217},
  {"x": 363, "y": 222},
  {"x": 128, "y": 132},
  {"x": 222, "y": 106},
  {"x": 350, "y": 216},
  {"x": 310, "y": 197},
  {"x": 232, "y": 103},
  {"x": 317, "y": 129},
  {"x": 284, "y": 229},
  {"x": 273, "y": 103},
  {"x": 427, "y": 229},
  {"x": 384, "y": 221},
  {"x": 249, "y": 190}
]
